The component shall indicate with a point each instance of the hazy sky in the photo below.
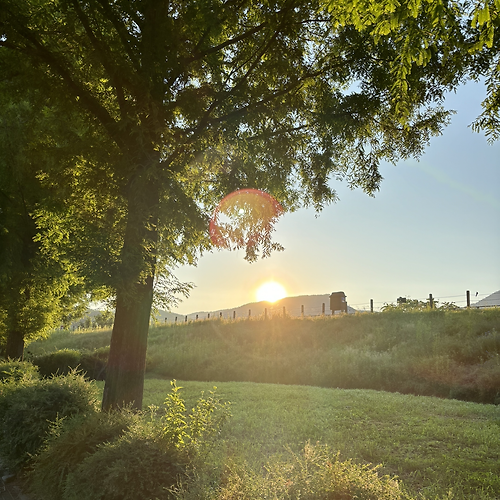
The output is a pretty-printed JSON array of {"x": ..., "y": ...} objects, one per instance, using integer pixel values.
[{"x": 434, "y": 227}]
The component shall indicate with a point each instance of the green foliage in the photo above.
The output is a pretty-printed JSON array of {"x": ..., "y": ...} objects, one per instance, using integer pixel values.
[
  {"x": 316, "y": 474},
  {"x": 58, "y": 363},
  {"x": 37, "y": 293},
  {"x": 28, "y": 408},
  {"x": 16, "y": 371},
  {"x": 136, "y": 465},
  {"x": 462, "y": 37},
  {"x": 68, "y": 444},
  {"x": 408, "y": 304},
  {"x": 104, "y": 319},
  {"x": 121, "y": 455},
  {"x": 188, "y": 431},
  {"x": 90, "y": 364}
]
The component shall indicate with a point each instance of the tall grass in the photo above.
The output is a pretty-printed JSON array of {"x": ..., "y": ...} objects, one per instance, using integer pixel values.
[
  {"x": 437, "y": 353},
  {"x": 446, "y": 354}
]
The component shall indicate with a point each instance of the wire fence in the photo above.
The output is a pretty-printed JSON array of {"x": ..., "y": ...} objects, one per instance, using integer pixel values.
[
  {"x": 304, "y": 307},
  {"x": 464, "y": 300}
]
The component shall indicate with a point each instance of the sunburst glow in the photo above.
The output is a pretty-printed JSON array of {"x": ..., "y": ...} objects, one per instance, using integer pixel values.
[{"x": 270, "y": 292}]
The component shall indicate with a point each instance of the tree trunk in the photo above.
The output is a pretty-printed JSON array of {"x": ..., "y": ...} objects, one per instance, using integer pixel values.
[
  {"x": 127, "y": 355},
  {"x": 134, "y": 296},
  {"x": 14, "y": 348}
]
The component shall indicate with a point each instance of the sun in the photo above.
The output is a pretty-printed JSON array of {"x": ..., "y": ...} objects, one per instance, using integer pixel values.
[{"x": 270, "y": 291}]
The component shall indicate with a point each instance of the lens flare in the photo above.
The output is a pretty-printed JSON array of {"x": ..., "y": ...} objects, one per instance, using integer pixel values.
[{"x": 245, "y": 219}]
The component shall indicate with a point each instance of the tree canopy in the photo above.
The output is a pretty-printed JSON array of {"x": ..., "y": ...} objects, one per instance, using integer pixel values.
[
  {"x": 37, "y": 293},
  {"x": 186, "y": 102}
]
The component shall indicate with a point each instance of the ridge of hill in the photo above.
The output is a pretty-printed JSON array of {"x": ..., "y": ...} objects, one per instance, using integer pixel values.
[{"x": 313, "y": 306}]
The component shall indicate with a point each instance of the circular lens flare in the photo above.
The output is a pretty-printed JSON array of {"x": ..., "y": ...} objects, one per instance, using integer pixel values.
[
  {"x": 245, "y": 219},
  {"x": 270, "y": 292}
]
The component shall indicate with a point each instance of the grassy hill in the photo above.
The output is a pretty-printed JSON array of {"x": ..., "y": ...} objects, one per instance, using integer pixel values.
[
  {"x": 438, "y": 448},
  {"x": 450, "y": 354}
]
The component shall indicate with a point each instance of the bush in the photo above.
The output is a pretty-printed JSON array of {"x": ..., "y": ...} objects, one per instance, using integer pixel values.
[
  {"x": 69, "y": 444},
  {"x": 61, "y": 362},
  {"x": 16, "y": 371},
  {"x": 317, "y": 474},
  {"x": 93, "y": 365},
  {"x": 139, "y": 465},
  {"x": 58, "y": 362},
  {"x": 126, "y": 457},
  {"x": 29, "y": 408}
]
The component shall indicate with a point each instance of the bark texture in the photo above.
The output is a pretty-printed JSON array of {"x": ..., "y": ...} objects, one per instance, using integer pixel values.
[
  {"x": 134, "y": 297},
  {"x": 14, "y": 348}
]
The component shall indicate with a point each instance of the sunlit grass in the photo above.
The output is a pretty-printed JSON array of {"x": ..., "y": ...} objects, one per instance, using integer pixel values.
[
  {"x": 436, "y": 353},
  {"x": 432, "y": 445}
]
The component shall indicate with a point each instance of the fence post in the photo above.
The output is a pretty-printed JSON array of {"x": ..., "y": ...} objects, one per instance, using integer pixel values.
[
  {"x": 176, "y": 319},
  {"x": 431, "y": 301},
  {"x": 220, "y": 315},
  {"x": 302, "y": 311},
  {"x": 249, "y": 313},
  {"x": 186, "y": 319},
  {"x": 208, "y": 316},
  {"x": 265, "y": 313},
  {"x": 284, "y": 311},
  {"x": 467, "y": 294},
  {"x": 371, "y": 305},
  {"x": 323, "y": 309},
  {"x": 234, "y": 314}
]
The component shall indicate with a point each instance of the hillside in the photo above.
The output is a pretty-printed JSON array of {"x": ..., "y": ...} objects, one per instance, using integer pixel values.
[
  {"x": 450, "y": 354},
  {"x": 313, "y": 306}
]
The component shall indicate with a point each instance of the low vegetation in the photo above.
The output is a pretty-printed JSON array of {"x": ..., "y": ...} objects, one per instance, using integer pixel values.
[
  {"x": 287, "y": 442},
  {"x": 285, "y": 439},
  {"x": 450, "y": 354}
]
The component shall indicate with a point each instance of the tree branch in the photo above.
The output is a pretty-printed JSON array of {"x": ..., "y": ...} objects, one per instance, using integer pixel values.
[
  {"x": 121, "y": 30},
  {"x": 62, "y": 69}
]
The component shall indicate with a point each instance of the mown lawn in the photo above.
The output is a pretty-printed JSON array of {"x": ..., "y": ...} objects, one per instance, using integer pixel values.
[{"x": 433, "y": 445}]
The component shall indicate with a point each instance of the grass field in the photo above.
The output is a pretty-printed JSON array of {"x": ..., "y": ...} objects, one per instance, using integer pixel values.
[
  {"x": 450, "y": 354},
  {"x": 272, "y": 372},
  {"x": 433, "y": 445}
]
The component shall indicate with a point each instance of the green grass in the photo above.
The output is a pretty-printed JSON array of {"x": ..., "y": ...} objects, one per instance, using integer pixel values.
[
  {"x": 432, "y": 445},
  {"x": 63, "y": 339},
  {"x": 450, "y": 354}
]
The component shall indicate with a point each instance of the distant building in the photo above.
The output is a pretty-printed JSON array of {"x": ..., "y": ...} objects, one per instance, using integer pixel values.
[{"x": 492, "y": 300}]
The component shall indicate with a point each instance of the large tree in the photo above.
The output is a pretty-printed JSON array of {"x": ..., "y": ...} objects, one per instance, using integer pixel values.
[
  {"x": 37, "y": 293},
  {"x": 200, "y": 98}
]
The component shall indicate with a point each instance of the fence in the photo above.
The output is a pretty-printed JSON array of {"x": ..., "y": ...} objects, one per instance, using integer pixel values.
[{"x": 294, "y": 309}]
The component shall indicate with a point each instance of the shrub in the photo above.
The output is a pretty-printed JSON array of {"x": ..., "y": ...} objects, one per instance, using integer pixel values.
[
  {"x": 317, "y": 474},
  {"x": 17, "y": 371},
  {"x": 58, "y": 362},
  {"x": 69, "y": 444},
  {"x": 149, "y": 459},
  {"x": 93, "y": 365},
  {"x": 61, "y": 362},
  {"x": 28, "y": 410},
  {"x": 138, "y": 465}
]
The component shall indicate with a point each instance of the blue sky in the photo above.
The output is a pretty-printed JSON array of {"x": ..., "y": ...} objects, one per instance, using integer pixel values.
[{"x": 434, "y": 227}]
